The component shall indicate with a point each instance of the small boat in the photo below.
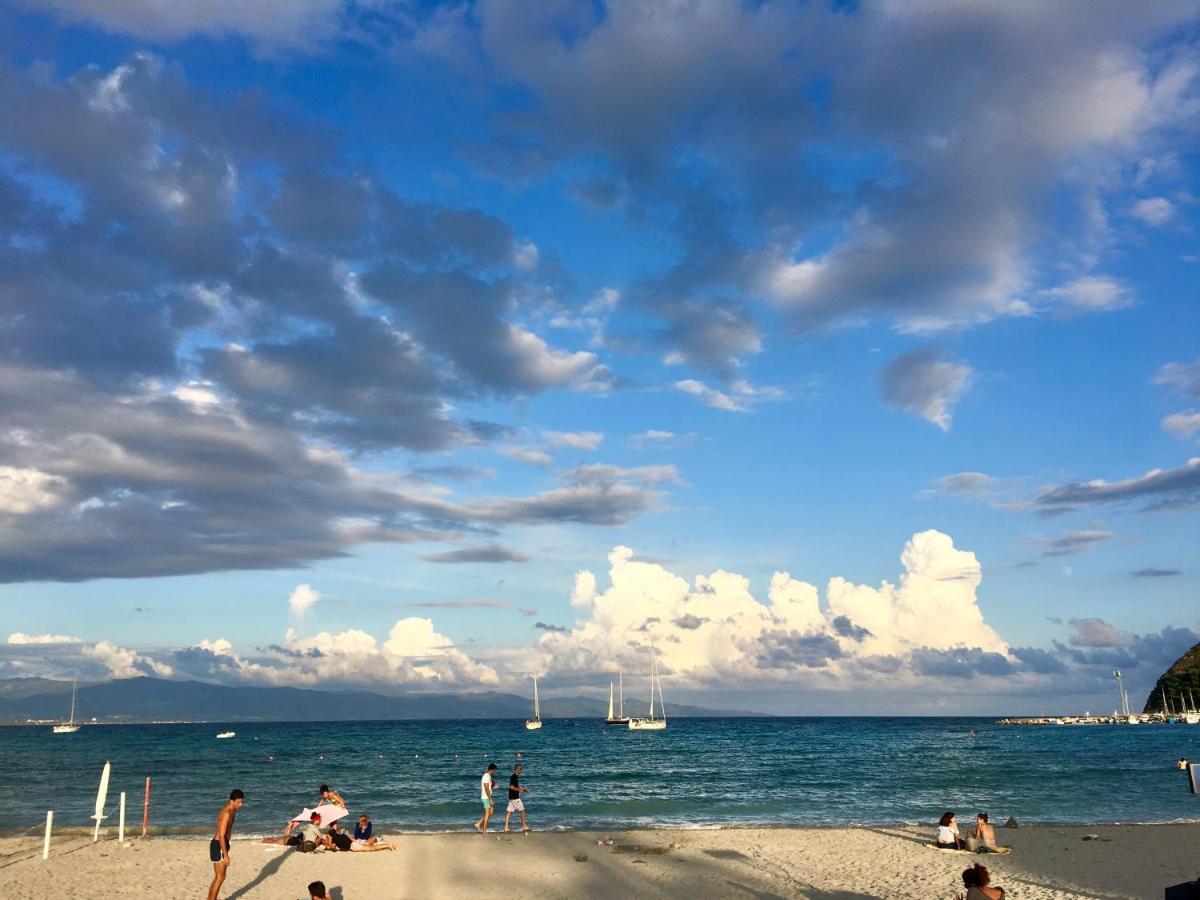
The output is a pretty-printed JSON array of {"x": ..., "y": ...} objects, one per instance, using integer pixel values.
[
  {"x": 619, "y": 718},
  {"x": 70, "y": 726},
  {"x": 225, "y": 735},
  {"x": 536, "y": 722},
  {"x": 650, "y": 723}
]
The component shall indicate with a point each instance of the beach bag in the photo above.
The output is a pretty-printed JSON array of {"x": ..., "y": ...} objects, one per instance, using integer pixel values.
[
  {"x": 306, "y": 846},
  {"x": 973, "y": 844}
]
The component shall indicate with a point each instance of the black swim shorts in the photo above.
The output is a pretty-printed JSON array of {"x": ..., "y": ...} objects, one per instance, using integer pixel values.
[{"x": 214, "y": 850}]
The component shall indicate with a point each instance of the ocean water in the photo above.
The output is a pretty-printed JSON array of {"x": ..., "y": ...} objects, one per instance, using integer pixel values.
[{"x": 424, "y": 776}]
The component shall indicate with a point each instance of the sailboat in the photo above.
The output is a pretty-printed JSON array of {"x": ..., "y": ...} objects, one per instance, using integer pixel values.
[
  {"x": 70, "y": 726},
  {"x": 536, "y": 722},
  {"x": 619, "y": 718},
  {"x": 650, "y": 723}
]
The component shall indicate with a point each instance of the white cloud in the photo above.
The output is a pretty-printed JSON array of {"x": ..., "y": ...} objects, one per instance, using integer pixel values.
[
  {"x": 530, "y": 455},
  {"x": 1183, "y": 377},
  {"x": 1090, "y": 293},
  {"x": 302, "y": 599},
  {"x": 577, "y": 440},
  {"x": 18, "y": 637},
  {"x": 714, "y": 628},
  {"x": 24, "y": 490},
  {"x": 1154, "y": 211},
  {"x": 125, "y": 663},
  {"x": 926, "y": 385},
  {"x": 1182, "y": 424},
  {"x": 709, "y": 396}
]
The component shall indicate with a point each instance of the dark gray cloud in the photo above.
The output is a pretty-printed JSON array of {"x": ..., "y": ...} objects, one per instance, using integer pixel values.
[
  {"x": 1075, "y": 542},
  {"x": 545, "y": 626},
  {"x": 690, "y": 622},
  {"x": 1038, "y": 660},
  {"x": 485, "y": 553},
  {"x": 1155, "y": 573},
  {"x": 926, "y": 385},
  {"x": 847, "y": 629},
  {"x": 965, "y": 662},
  {"x": 1094, "y": 633},
  {"x": 1162, "y": 488},
  {"x": 973, "y": 485},
  {"x": 790, "y": 649}
]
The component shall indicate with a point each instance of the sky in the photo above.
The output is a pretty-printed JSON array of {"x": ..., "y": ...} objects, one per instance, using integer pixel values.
[{"x": 844, "y": 357}]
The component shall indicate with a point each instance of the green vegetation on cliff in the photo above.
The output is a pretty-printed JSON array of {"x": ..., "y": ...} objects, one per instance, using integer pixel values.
[{"x": 1176, "y": 682}]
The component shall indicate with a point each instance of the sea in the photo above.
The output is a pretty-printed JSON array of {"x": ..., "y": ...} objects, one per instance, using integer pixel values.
[{"x": 415, "y": 776}]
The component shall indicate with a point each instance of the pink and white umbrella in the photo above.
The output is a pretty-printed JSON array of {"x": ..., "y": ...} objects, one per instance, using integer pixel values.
[{"x": 329, "y": 812}]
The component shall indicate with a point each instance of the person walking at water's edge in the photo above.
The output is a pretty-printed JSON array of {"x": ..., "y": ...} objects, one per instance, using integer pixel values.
[
  {"x": 485, "y": 795},
  {"x": 515, "y": 804},
  {"x": 218, "y": 847}
]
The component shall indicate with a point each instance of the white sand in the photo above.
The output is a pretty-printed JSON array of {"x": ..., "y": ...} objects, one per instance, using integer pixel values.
[{"x": 818, "y": 863}]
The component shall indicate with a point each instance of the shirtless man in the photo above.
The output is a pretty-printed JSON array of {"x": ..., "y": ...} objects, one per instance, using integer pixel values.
[{"x": 218, "y": 847}]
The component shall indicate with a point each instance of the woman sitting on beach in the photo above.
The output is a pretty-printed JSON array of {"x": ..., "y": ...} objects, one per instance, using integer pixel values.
[
  {"x": 339, "y": 840},
  {"x": 984, "y": 833},
  {"x": 977, "y": 881},
  {"x": 947, "y": 833}
]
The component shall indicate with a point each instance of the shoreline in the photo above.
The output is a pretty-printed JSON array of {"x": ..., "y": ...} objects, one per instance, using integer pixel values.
[{"x": 1113, "y": 862}]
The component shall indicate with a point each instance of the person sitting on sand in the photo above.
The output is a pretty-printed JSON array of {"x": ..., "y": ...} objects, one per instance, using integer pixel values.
[
  {"x": 363, "y": 831},
  {"x": 977, "y": 881},
  {"x": 316, "y": 891},
  {"x": 331, "y": 796},
  {"x": 984, "y": 833},
  {"x": 310, "y": 835},
  {"x": 947, "y": 833}
]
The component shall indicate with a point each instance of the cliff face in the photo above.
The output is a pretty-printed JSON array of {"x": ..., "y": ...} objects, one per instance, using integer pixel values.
[{"x": 1182, "y": 677}]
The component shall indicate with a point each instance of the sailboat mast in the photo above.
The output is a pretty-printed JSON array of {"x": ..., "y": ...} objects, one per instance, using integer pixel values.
[
  {"x": 537, "y": 707},
  {"x": 610, "y": 699},
  {"x": 651, "y": 687},
  {"x": 621, "y": 682},
  {"x": 74, "y": 684}
]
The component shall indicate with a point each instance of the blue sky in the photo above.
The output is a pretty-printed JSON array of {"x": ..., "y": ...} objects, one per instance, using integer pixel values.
[{"x": 869, "y": 330}]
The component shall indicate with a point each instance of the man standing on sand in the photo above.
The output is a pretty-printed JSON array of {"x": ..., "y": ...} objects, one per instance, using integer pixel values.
[
  {"x": 485, "y": 794},
  {"x": 218, "y": 847},
  {"x": 515, "y": 804}
]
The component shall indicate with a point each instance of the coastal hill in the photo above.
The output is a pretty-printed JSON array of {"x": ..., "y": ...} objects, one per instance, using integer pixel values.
[
  {"x": 1176, "y": 682},
  {"x": 158, "y": 700}
]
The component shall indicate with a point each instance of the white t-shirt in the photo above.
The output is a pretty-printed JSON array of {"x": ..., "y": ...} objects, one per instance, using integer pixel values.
[
  {"x": 946, "y": 834},
  {"x": 484, "y": 783}
]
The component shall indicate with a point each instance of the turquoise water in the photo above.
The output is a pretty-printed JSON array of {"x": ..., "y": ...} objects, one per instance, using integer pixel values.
[{"x": 700, "y": 772}]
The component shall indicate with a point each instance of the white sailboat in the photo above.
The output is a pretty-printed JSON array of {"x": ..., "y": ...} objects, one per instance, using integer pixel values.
[
  {"x": 536, "y": 722},
  {"x": 70, "y": 726},
  {"x": 651, "y": 723},
  {"x": 614, "y": 717}
]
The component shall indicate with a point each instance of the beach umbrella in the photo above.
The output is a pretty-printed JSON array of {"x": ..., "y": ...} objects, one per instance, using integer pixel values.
[
  {"x": 329, "y": 812},
  {"x": 101, "y": 797}
]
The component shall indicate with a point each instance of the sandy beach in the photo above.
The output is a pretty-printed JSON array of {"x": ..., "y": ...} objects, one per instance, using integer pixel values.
[{"x": 1134, "y": 861}]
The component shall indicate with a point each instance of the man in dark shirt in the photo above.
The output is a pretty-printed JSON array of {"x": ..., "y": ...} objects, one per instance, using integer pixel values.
[{"x": 515, "y": 790}]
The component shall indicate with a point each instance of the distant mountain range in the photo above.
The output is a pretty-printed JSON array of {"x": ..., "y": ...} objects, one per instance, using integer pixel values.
[{"x": 159, "y": 700}]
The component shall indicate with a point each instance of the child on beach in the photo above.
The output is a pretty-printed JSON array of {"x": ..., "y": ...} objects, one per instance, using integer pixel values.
[{"x": 218, "y": 848}]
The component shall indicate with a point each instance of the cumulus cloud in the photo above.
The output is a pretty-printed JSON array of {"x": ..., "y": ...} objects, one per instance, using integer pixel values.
[
  {"x": 714, "y": 627},
  {"x": 1093, "y": 633},
  {"x": 124, "y": 663},
  {"x": 302, "y": 599},
  {"x": 924, "y": 384},
  {"x": 21, "y": 638}
]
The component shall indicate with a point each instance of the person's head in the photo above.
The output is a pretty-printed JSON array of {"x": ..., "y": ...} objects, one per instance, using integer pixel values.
[
  {"x": 315, "y": 818},
  {"x": 491, "y": 767},
  {"x": 982, "y": 817},
  {"x": 324, "y": 789},
  {"x": 237, "y": 797},
  {"x": 947, "y": 818},
  {"x": 970, "y": 878},
  {"x": 363, "y": 819},
  {"x": 517, "y": 768},
  {"x": 983, "y": 876},
  {"x": 316, "y": 891}
]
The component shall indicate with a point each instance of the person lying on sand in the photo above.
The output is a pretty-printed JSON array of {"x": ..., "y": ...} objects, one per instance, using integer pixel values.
[{"x": 947, "y": 833}]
